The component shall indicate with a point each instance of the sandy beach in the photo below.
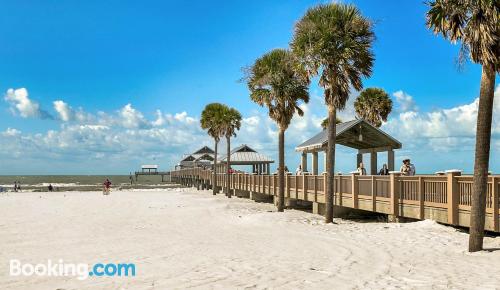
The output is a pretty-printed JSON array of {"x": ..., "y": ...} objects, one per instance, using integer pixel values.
[{"x": 191, "y": 239}]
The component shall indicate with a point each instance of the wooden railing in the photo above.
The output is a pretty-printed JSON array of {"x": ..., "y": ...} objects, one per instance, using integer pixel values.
[{"x": 446, "y": 199}]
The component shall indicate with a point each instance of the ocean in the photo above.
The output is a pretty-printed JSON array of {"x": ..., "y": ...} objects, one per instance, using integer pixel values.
[{"x": 80, "y": 182}]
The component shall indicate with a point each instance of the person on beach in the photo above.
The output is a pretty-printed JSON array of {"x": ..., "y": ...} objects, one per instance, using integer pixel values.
[
  {"x": 361, "y": 169},
  {"x": 51, "y": 188},
  {"x": 384, "y": 170},
  {"x": 286, "y": 169},
  {"x": 299, "y": 170},
  {"x": 15, "y": 186},
  {"x": 130, "y": 178},
  {"x": 107, "y": 186}
]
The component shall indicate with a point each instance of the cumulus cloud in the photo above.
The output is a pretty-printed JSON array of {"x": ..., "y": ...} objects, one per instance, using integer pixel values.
[
  {"x": 127, "y": 136},
  {"x": 405, "y": 102},
  {"x": 21, "y": 104},
  {"x": 11, "y": 132},
  {"x": 64, "y": 110},
  {"x": 131, "y": 118}
]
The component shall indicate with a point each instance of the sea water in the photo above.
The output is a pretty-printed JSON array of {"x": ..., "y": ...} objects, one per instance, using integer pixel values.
[{"x": 80, "y": 182}]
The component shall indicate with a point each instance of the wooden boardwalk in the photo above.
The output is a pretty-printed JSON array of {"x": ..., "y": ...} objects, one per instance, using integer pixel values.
[{"x": 445, "y": 199}]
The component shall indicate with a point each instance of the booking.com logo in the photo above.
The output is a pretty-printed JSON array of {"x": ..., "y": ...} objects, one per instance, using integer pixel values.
[{"x": 81, "y": 271}]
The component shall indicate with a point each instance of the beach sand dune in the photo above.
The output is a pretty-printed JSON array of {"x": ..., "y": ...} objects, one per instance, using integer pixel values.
[{"x": 187, "y": 239}]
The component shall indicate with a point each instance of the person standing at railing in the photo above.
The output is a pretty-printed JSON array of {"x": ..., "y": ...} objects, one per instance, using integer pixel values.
[
  {"x": 384, "y": 170},
  {"x": 407, "y": 169},
  {"x": 413, "y": 171},
  {"x": 361, "y": 169},
  {"x": 299, "y": 170}
]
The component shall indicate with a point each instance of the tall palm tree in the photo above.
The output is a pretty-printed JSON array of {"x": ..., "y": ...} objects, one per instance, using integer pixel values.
[
  {"x": 211, "y": 120},
  {"x": 335, "y": 41},
  {"x": 324, "y": 123},
  {"x": 373, "y": 105},
  {"x": 476, "y": 25},
  {"x": 279, "y": 82},
  {"x": 231, "y": 122}
]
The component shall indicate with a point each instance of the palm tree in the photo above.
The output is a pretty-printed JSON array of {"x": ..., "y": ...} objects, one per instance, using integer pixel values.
[
  {"x": 335, "y": 41},
  {"x": 211, "y": 120},
  {"x": 373, "y": 105},
  {"x": 476, "y": 25},
  {"x": 324, "y": 123},
  {"x": 279, "y": 82},
  {"x": 231, "y": 122}
]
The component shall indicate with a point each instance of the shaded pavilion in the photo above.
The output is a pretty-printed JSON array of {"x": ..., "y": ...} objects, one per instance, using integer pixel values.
[
  {"x": 244, "y": 155},
  {"x": 357, "y": 134}
]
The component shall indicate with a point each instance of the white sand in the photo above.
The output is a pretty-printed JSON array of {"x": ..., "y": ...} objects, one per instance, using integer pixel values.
[{"x": 192, "y": 239}]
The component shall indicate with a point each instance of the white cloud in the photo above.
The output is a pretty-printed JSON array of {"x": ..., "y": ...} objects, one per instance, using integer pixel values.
[
  {"x": 405, "y": 102},
  {"x": 64, "y": 110},
  {"x": 122, "y": 139},
  {"x": 131, "y": 118},
  {"x": 11, "y": 132},
  {"x": 160, "y": 120},
  {"x": 21, "y": 104}
]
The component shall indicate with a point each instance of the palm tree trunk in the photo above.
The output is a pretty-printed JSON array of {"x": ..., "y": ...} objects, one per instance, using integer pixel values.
[
  {"x": 482, "y": 156},
  {"x": 281, "y": 171},
  {"x": 214, "y": 182},
  {"x": 228, "y": 175},
  {"x": 330, "y": 162}
]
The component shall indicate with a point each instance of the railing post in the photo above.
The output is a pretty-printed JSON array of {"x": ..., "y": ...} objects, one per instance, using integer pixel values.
[
  {"x": 421, "y": 197},
  {"x": 287, "y": 185},
  {"x": 315, "y": 180},
  {"x": 339, "y": 189},
  {"x": 374, "y": 194},
  {"x": 297, "y": 186},
  {"x": 354, "y": 190},
  {"x": 304, "y": 185},
  {"x": 452, "y": 195},
  {"x": 494, "y": 192},
  {"x": 394, "y": 188},
  {"x": 325, "y": 184}
]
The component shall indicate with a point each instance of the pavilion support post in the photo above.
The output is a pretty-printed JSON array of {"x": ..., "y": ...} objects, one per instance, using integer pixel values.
[
  {"x": 253, "y": 168},
  {"x": 359, "y": 159},
  {"x": 315, "y": 163},
  {"x": 373, "y": 163},
  {"x": 390, "y": 160},
  {"x": 303, "y": 163},
  {"x": 268, "y": 168}
]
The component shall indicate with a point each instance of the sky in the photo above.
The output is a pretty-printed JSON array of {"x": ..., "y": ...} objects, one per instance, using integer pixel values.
[{"x": 101, "y": 87}]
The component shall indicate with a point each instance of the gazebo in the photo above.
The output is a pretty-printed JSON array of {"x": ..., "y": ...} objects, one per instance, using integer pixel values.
[
  {"x": 202, "y": 157},
  {"x": 357, "y": 134},
  {"x": 244, "y": 155}
]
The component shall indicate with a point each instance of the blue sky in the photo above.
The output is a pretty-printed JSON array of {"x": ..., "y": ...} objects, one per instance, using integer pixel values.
[{"x": 115, "y": 63}]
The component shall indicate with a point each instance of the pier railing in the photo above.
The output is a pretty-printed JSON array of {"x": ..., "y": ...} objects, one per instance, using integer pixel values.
[{"x": 444, "y": 198}]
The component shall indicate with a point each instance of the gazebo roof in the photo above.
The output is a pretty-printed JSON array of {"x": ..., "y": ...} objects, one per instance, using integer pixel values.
[
  {"x": 348, "y": 134},
  {"x": 204, "y": 149},
  {"x": 244, "y": 155}
]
